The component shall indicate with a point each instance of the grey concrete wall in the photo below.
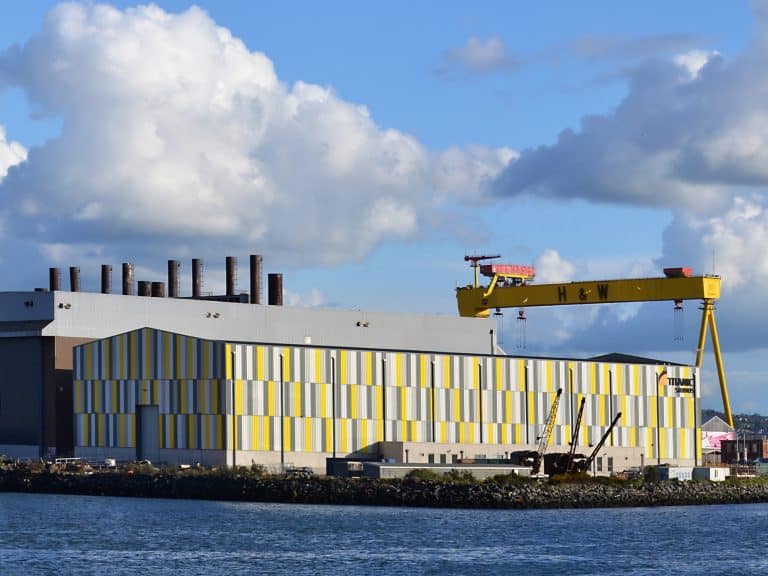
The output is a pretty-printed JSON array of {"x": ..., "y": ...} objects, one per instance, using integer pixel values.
[{"x": 21, "y": 385}]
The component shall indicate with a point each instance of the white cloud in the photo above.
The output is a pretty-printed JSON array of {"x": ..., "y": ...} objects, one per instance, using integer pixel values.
[
  {"x": 175, "y": 134},
  {"x": 478, "y": 56},
  {"x": 11, "y": 154}
]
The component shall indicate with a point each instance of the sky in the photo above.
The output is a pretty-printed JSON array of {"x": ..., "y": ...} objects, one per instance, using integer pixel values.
[{"x": 363, "y": 149}]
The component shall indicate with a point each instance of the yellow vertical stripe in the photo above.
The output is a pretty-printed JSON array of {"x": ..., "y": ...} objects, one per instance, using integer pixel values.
[
  {"x": 475, "y": 374},
  {"x": 636, "y": 380},
  {"x": 319, "y": 377},
  {"x": 171, "y": 431},
  {"x": 517, "y": 433},
  {"x": 147, "y": 365},
  {"x": 654, "y": 419},
  {"x": 271, "y": 398},
  {"x": 328, "y": 434},
  {"x": 369, "y": 368},
  {"x": 132, "y": 355},
  {"x": 166, "y": 355},
  {"x": 414, "y": 428},
  {"x": 504, "y": 439},
  {"x": 624, "y": 411},
  {"x": 403, "y": 393},
  {"x": 206, "y": 352},
  {"x": 260, "y": 363},
  {"x": 633, "y": 437},
  {"x": 443, "y": 434},
  {"x": 521, "y": 375},
  {"x": 106, "y": 352},
  {"x": 121, "y": 368},
  {"x": 398, "y": 369},
  {"x": 227, "y": 361},
  {"x": 663, "y": 442},
  {"x": 96, "y": 387},
  {"x": 297, "y": 399},
  {"x": 191, "y": 359},
  {"x": 266, "y": 436},
  {"x": 423, "y": 370},
  {"x": 353, "y": 401},
  {"x": 86, "y": 420},
  {"x": 447, "y": 371},
  {"x": 89, "y": 361},
  {"x": 456, "y": 405},
  {"x": 602, "y": 399},
  {"x": 404, "y": 431},
  {"x": 683, "y": 435}
]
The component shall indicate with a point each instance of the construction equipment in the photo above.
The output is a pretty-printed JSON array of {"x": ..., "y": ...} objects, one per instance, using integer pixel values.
[
  {"x": 584, "y": 465},
  {"x": 546, "y": 435},
  {"x": 575, "y": 437},
  {"x": 562, "y": 463},
  {"x": 678, "y": 284}
]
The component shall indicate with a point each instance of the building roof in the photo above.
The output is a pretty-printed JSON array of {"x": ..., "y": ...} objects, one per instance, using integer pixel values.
[
  {"x": 716, "y": 424},
  {"x": 619, "y": 358}
]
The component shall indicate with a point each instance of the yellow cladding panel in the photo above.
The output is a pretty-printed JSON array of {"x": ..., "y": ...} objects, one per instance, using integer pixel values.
[
  {"x": 369, "y": 368},
  {"x": 663, "y": 441},
  {"x": 683, "y": 444},
  {"x": 364, "y": 432},
  {"x": 633, "y": 437},
  {"x": 287, "y": 364},
  {"x": 379, "y": 399},
  {"x": 132, "y": 355},
  {"x": 649, "y": 443},
  {"x": 266, "y": 436},
  {"x": 636, "y": 380},
  {"x": 156, "y": 392},
  {"x": 307, "y": 435},
  {"x": 504, "y": 437},
  {"x": 343, "y": 367},
  {"x": 447, "y": 371},
  {"x": 456, "y": 404},
  {"x": 654, "y": 419},
  {"x": 414, "y": 436},
  {"x": 548, "y": 371},
  {"x": 147, "y": 368},
  {"x": 398, "y": 369},
  {"x": 106, "y": 351},
  {"x": 206, "y": 362},
  {"x": 172, "y": 431},
  {"x": 318, "y": 367},
  {"x": 602, "y": 400},
  {"x": 670, "y": 403},
  {"x": 323, "y": 400},
  {"x": 624, "y": 411},
  {"x": 402, "y": 392},
  {"x": 379, "y": 430},
  {"x": 462, "y": 432},
  {"x": 443, "y": 434},
  {"x": 121, "y": 371},
  {"x": 238, "y": 397},
  {"x": 228, "y": 363},
  {"x": 521, "y": 374},
  {"x": 89, "y": 361},
  {"x": 353, "y": 401},
  {"x": 476, "y": 302},
  {"x": 471, "y": 432},
  {"x": 475, "y": 374},
  {"x": 260, "y": 363},
  {"x": 343, "y": 428},
  {"x": 328, "y": 434},
  {"x": 191, "y": 359},
  {"x": 404, "y": 431},
  {"x": 133, "y": 429},
  {"x": 270, "y": 398},
  {"x": 690, "y": 419},
  {"x": 297, "y": 402},
  {"x": 531, "y": 409},
  {"x": 423, "y": 370}
]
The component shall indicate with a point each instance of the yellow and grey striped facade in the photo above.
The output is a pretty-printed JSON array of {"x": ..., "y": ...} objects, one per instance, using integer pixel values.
[{"x": 305, "y": 403}]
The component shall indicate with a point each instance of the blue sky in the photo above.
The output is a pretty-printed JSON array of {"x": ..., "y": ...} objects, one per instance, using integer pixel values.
[{"x": 364, "y": 149}]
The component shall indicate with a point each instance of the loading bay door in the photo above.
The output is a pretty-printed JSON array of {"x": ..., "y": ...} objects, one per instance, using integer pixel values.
[{"x": 148, "y": 442}]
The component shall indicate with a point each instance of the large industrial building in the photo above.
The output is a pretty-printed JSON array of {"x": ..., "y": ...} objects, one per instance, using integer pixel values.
[{"x": 234, "y": 381}]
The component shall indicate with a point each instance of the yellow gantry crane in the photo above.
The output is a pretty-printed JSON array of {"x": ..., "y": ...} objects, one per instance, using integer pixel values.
[{"x": 510, "y": 287}]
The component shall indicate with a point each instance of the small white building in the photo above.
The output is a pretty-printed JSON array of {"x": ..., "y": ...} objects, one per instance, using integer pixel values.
[{"x": 711, "y": 473}]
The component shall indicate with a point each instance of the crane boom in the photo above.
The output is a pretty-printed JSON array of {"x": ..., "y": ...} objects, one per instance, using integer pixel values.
[
  {"x": 575, "y": 437},
  {"x": 588, "y": 462},
  {"x": 679, "y": 284},
  {"x": 546, "y": 434}
]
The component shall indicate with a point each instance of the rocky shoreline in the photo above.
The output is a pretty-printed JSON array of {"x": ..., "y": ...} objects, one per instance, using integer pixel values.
[{"x": 502, "y": 492}]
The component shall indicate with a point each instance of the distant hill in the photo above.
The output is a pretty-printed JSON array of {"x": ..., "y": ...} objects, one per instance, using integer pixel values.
[{"x": 750, "y": 422}]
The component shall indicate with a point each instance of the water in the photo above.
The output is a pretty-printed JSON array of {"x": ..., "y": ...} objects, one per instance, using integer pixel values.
[{"x": 52, "y": 534}]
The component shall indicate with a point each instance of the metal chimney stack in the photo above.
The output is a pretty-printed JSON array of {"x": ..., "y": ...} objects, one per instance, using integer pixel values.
[
  {"x": 231, "y": 275},
  {"x": 197, "y": 277},
  {"x": 255, "y": 279},
  {"x": 54, "y": 279},
  {"x": 275, "y": 286},
  {"x": 74, "y": 279},
  {"x": 173, "y": 278},
  {"x": 106, "y": 279},
  {"x": 158, "y": 290},
  {"x": 127, "y": 278},
  {"x": 145, "y": 288}
]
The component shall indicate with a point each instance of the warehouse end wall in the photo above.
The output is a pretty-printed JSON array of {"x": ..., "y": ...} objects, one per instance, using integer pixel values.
[{"x": 21, "y": 394}]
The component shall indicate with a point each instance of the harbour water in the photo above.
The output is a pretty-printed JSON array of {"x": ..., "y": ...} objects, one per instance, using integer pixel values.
[{"x": 55, "y": 534}]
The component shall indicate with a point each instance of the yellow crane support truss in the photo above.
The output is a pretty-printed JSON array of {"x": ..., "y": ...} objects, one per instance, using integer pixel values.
[{"x": 478, "y": 301}]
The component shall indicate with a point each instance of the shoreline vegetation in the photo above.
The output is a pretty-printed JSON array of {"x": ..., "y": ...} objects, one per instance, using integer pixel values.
[{"x": 420, "y": 488}]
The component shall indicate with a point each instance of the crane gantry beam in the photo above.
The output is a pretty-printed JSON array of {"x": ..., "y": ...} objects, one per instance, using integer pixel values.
[{"x": 478, "y": 301}]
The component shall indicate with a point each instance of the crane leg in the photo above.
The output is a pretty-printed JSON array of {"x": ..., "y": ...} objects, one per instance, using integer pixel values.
[
  {"x": 720, "y": 370},
  {"x": 706, "y": 311}
]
